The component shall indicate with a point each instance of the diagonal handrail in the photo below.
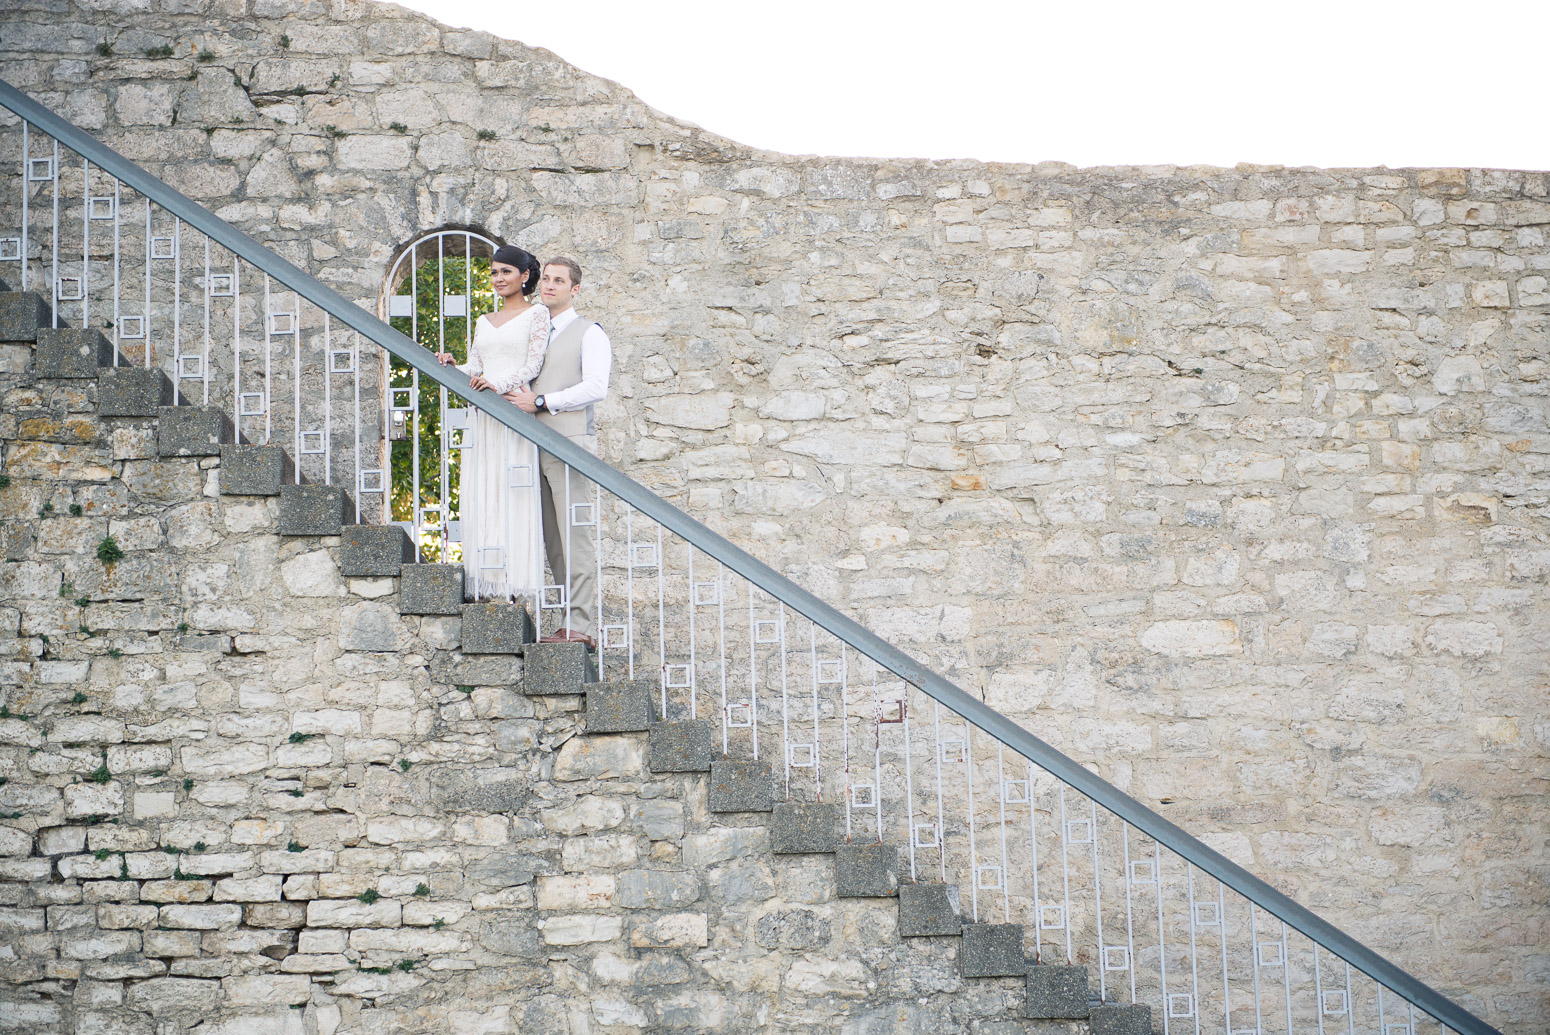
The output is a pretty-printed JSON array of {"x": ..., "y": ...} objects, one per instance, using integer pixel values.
[{"x": 756, "y": 571}]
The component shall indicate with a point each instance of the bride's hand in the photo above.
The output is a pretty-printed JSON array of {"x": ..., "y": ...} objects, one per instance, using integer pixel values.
[
  {"x": 478, "y": 383},
  {"x": 445, "y": 358}
]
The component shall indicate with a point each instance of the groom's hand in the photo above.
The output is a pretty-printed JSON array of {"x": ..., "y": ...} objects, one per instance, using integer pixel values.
[{"x": 523, "y": 400}]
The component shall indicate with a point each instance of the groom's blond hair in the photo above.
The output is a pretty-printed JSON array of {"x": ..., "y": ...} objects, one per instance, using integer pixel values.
[{"x": 570, "y": 264}]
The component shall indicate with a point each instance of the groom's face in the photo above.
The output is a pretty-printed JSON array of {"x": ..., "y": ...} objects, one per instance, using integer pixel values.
[{"x": 555, "y": 287}]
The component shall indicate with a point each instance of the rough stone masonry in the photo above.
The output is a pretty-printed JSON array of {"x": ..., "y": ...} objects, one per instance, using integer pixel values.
[{"x": 1229, "y": 482}]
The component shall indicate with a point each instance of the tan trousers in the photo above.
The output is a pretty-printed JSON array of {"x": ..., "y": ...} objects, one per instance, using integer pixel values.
[{"x": 572, "y": 549}]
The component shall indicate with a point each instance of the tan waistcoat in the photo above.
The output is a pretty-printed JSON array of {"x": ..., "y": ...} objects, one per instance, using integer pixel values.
[{"x": 561, "y": 370}]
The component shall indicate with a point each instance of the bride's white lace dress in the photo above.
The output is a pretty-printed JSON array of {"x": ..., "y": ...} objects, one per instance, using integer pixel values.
[{"x": 503, "y": 550}]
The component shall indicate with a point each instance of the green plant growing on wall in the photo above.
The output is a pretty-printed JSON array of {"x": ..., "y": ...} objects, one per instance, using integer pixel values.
[
  {"x": 163, "y": 51},
  {"x": 105, "y": 49},
  {"x": 108, "y": 551}
]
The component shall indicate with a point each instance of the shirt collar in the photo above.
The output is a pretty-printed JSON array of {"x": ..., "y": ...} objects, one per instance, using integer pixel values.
[{"x": 558, "y": 323}]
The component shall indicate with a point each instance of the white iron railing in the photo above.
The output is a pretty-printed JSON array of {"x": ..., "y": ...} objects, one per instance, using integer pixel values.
[{"x": 970, "y": 798}]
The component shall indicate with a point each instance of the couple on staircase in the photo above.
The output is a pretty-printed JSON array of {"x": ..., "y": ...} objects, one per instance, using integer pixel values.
[{"x": 520, "y": 506}]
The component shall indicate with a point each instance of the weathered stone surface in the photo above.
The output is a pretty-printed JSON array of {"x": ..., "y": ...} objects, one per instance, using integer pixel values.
[
  {"x": 22, "y": 314},
  {"x": 431, "y": 589},
  {"x": 69, "y": 351},
  {"x": 619, "y": 706},
  {"x": 367, "y": 551},
  {"x": 484, "y": 789},
  {"x": 799, "y": 827},
  {"x": 929, "y": 909},
  {"x": 556, "y": 668},
  {"x": 741, "y": 786},
  {"x": 192, "y": 431},
  {"x": 132, "y": 391},
  {"x": 992, "y": 950},
  {"x": 495, "y": 628},
  {"x": 1056, "y": 992},
  {"x": 866, "y": 870},
  {"x": 682, "y": 747},
  {"x": 600, "y": 758},
  {"x": 1120, "y": 1020},
  {"x": 254, "y": 470},
  {"x": 314, "y": 510}
]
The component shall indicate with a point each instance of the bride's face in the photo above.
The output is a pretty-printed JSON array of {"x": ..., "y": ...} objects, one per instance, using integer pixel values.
[{"x": 506, "y": 280}]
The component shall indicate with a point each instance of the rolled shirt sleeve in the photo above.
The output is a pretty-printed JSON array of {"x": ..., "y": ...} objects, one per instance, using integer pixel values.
[{"x": 597, "y": 359}]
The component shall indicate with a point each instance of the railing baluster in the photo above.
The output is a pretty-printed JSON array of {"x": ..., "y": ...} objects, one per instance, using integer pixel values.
[
  {"x": 1065, "y": 870},
  {"x": 812, "y": 653},
  {"x": 1286, "y": 978},
  {"x": 116, "y": 317},
  {"x": 877, "y": 757},
  {"x": 204, "y": 361},
  {"x": 785, "y": 709},
  {"x": 845, "y": 781},
  {"x": 1092, "y": 819},
  {"x": 1162, "y": 949},
  {"x": 26, "y": 177},
  {"x": 85, "y": 243},
  {"x": 1130, "y": 934},
  {"x": 968, "y": 782},
  {"x": 1033, "y": 867},
  {"x": 1006, "y": 884},
  {"x": 1221, "y": 930},
  {"x": 909, "y": 779},
  {"x": 54, "y": 233},
  {"x": 941, "y": 819}
]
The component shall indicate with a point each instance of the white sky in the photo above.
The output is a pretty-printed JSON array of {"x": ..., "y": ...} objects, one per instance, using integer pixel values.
[{"x": 1354, "y": 83}]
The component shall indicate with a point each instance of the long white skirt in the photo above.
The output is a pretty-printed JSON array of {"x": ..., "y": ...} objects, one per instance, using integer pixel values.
[{"x": 503, "y": 547}]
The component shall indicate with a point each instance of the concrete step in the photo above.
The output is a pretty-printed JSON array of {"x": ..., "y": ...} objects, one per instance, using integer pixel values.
[
  {"x": 549, "y": 669},
  {"x": 69, "y": 351},
  {"x": 132, "y": 392},
  {"x": 1056, "y": 993},
  {"x": 682, "y": 747},
  {"x": 430, "y": 589},
  {"x": 866, "y": 870},
  {"x": 927, "y": 910},
  {"x": 255, "y": 470},
  {"x": 993, "y": 950},
  {"x": 369, "y": 551},
  {"x": 1120, "y": 1020},
  {"x": 798, "y": 827},
  {"x": 741, "y": 786},
  {"x": 192, "y": 431},
  {"x": 315, "y": 510},
  {"x": 22, "y": 314},
  {"x": 490, "y": 627},
  {"x": 621, "y": 706}
]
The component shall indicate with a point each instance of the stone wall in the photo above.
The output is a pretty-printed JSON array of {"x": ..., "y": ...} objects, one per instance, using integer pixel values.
[{"x": 1231, "y": 483}]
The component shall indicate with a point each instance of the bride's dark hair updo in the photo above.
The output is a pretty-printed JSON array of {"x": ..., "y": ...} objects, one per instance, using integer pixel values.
[{"x": 524, "y": 260}]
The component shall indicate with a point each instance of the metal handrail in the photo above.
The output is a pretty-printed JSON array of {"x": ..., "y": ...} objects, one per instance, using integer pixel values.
[{"x": 756, "y": 571}]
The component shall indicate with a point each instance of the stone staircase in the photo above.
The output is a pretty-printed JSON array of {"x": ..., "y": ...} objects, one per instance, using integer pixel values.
[{"x": 83, "y": 360}]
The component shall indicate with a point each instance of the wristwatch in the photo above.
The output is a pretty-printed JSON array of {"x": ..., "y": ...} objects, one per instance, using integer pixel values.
[{"x": 538, "y": 402}]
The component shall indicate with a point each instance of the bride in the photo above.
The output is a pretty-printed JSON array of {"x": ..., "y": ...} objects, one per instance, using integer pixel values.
[{"x": 502, "y": 537}]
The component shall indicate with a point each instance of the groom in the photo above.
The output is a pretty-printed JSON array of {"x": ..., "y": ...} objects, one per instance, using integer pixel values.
[{"x": 574, "y": 378}]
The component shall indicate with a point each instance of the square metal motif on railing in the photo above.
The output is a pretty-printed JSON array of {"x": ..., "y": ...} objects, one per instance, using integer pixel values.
[
  {"x": 222, "y": 285},
  {"x": 953, "y": 752},
  {"x": 68, "y": 289},
  {"x": 40, "y": 169},
  {"x": 519, "y": 476},
  {"x": 766, "y": 630},
  {"x": 802, "y": 756},
  {"x": 105, "y": 207},
  {"x": 191, "y": 368},
  {"x": 341, "y": 361},
  {"x": 677, "y": 677},
  {"x": 282, "y": 323},
  {"x": 250, "y": 404},
  {"x": 583, "y": 515},
  {"x": 1337, "y": 1002},
  {"x": 925, "y": 835},
  {"x": 401, "y": 400},
  {"x": 491, "y": 557},
  {"x": 311, "y": 443},
  {"x": 1079, "y": 831},
  {"x": 164, "y": 247},
  {"x": 10, "y": 249},
  {"x": 554, "y": 598},
  {"x": 831, "y": 670},
  {"x": 1051, "y": 917},
  {"x": 1268, "y": 954},
  {"x": 864, "y": 795},
  {"x": 430, "y": 516},
  {"x": 1207, "y": 915},
  {"x": 1014, "y": 792},
  {"x": 401, "y": 305},
  {"x": 1181, "y": 1004},
  {"x": 739, "y": 716},
  {"x": 890, "y": 712},
  {"x": 1142, "y": 871},
  {"x": 616, "y": 637},
  {"x": 454, "y": 305},
  {"x": 987, "y": 878},
  {"x": 1398, "y": 1028},
  {"x": 371, "y": 480},
  {"x": 1116, "y": 957},
  {"x": 131, "y": 326},
  {"x": 458, "y": 438},
  {"x": 643, "y": 555},
  {"x": 706, "y": 594}
]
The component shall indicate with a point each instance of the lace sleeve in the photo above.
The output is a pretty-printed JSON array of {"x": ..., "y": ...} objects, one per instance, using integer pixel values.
[
  {"x": 537, "y": 346},
  {"x": 475, "y": 364}
]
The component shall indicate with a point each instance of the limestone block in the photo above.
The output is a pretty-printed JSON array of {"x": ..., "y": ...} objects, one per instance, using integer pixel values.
[
  {"x": 314, "y": 510},
  {"x": 374, "y": 551},
  {"x": 658, "y": 889},
  {"x": 266, "y": 989},
  {"x": 82, "y": 800},
  {"x": 993, "y": 950},
  {"x": 69, "y": 351},
  {"x": 929, "y": 909},
  {"x": 496, "y": 628},
  {"x": 866, "y": 870},
  {"x": 254, "y": 470},
  {"x": 204, "y": 917},
  {"x": 172, "y": 996},
  {"x": 600, "y": 758},
  {"x": 132, "y": 391},
  {"x": 1056, "y": 993},
  {"x": 686, "y": 930},
  {"x": 682, "y": 747},
  {"x": 556, "y": 668},
  {"x": 741, "y": 786},
  {"x": 22, "y": 314},
  {"x": 591, "y": 891},
  {"x": 350, "y": 913},
  {"x": 600, "y": 851},
  {"x": 800, "y": 827},
  {"x": 312, "y": 574},
  {"x": 176, "y": 891},
  {"x": 264, "y": 888},
  {"x": 619, "y": 706},
  {"x": 589, "y": 814},
  {"x": 431, "y": 589},
  {"x": 192, "y": 431},
  {"x": 581, "y": 929},
  {"x": 370, "y": 626}
]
